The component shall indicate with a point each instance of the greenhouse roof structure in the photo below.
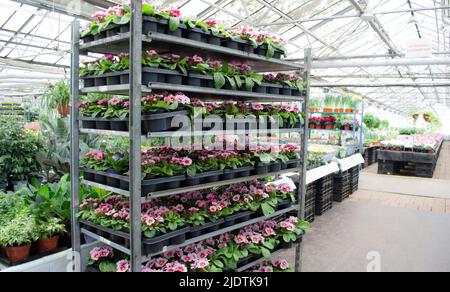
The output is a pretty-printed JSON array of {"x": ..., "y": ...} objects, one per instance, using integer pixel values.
[{"x": 358, "y": 45}]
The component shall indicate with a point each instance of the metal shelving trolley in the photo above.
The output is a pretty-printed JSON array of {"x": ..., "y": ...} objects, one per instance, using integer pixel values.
[{"x": 135, "y": 42}]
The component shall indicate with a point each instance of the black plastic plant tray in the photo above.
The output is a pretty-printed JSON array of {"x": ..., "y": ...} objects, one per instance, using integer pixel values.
[
  {"x": 148, "y": 185},
  {"x": 245, "y": 261},
  {"x": 229, "y": 174},
  {"x": 238, "y": 218},
  {"x": 149, "y": 245},
  {"x": 203, "y": 178},
  {"x": 284, "y": 205},
  {"x": 204, "y": 229}
]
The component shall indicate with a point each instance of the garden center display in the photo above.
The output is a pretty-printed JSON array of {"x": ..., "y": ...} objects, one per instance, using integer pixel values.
[{"x": 175, "y": 190}]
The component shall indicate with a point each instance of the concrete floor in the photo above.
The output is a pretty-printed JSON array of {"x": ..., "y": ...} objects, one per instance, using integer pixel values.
[{"x": 392, "y": 224}]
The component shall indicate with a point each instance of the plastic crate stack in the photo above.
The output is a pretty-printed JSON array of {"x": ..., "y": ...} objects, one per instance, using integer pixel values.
[
  {"x": 310, "y": 202},
  {"x": 354, "y": 183},
  {"x": 324, "y": 195},
  {"x": 342, "y": 186}
]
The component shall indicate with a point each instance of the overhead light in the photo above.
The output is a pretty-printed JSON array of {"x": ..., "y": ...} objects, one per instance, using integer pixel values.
[{"x": 368, "y": 14}]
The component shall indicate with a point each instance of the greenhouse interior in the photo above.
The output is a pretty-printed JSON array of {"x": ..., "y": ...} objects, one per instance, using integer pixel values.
[{"x": 224, "y": 136}]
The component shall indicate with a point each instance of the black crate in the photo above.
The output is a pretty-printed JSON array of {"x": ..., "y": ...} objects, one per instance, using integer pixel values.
[
  {"x": 324, "y": 202},
  {"x": 310, "y": 213}
]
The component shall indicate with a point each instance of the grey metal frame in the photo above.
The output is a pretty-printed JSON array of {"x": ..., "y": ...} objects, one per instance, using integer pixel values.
[{"x": 135, "y": 91}]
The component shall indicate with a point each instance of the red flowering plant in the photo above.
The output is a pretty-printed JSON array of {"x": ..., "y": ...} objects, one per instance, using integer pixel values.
[
  {"x": 117, "y": 108},
  {"x": 171, "y": 15},
  {"x": 157, "y": 220},
  {"x": 293, "y": 81},
  {"x": 96, "y": 160},
  {"x": 165, "y": 102},
  {"x": 152, "y": 59},
  {"x": 198, "y": 65},
  {"x": 159, "y": 163},
  {"x": 104, "y": 259},
  {"x": 116, "y": 15},
  {"x": 271, "y": 266},
  {"x": 112, "y": 212},
  {"x": 288, "y": 152},
  {"x": 291, "y": 229}
]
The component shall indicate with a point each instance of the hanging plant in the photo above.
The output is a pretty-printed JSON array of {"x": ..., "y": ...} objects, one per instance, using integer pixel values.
[{"x": 58, "y": 98}]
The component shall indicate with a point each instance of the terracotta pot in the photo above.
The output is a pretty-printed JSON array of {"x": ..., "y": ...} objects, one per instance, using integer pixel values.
[
  {"x": 312, "y": 126},
  {"x": 64, "y": 109},
  {"x": 19, "y": 253},
  {"x": 47, "y": 245},
  {"x": 329, "y": 127},
  {"x": 348, "y": 110},
  {"x": 347, "y": 128},
  {"x": 318, "y": 127}
]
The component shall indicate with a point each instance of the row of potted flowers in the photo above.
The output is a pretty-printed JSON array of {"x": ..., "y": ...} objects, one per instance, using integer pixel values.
[
  {"x": 421, "y": 143},
  {"x": 169, "y": 168},
  {"x": 116, "y": 20},
  {"x": 226, "y": 252},
  {"x": 159, "y": 110},
  {"x": 188, "y": 215},
  {"x": 330, "y": 123},
  {"x": 190, "y": 71}
]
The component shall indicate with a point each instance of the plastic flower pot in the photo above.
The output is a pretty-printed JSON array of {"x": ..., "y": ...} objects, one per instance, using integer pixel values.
[
  {"x": 204, "y": 229},
  {"x": 260, "y": 88},
  {"x": 47, "y": 245},
  {"x": 231, "y": 44},
  {"x": 262, "y": 50},
  {"x": 113, "y": 80},
  {"x": 112, "y": 32},
  {"x": 118, "y": 125},
  {"x": 87, "y": 39},
  {"x": 214, "y": 40},
  {"x": 261, "y": 168},
  {"x": 88, "y": 82},
  {"x": 19, "y": 253},
  {"x": 112, "y": 181},
  {"x": 100, "y": 81},
  {"x": 100, "y": 36},
  {"x": 99, "y": 178},
  {"x": 237, "y": 218},
  {"x": 245, "y": 172},
  {"x": 284, "y": 205},
  {"x": 125, "y": 28},
  {"x": 228, "y": 174},
  {"x": 277, "y": 54},
  {"x": 152, "y": 24},
  {"x": 286, "y": 91},
  {"x": 89, "y": 176},
  {"x": 247, "y": 48},
  {"x": 275, "y": 167},
  {"x": 245, "y": 261},
  {"x": 88, "y": 124},
  {"x": 194, "y": 34},
  {"x": 103, "y": 124},
  {"x": 274, "y": 89},
  {"x": 286, "y": 245},
  {"x": 293, "y": 163}
]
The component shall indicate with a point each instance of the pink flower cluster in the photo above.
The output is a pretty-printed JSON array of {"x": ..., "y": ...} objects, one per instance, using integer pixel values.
[
  {"x": 289, "y": 224},
  {"x": 259, "y": 36},
  {"x": 272, "y": 266},
  {"x": 100, "y": 253},
  {"x": 96, "y": 154}
]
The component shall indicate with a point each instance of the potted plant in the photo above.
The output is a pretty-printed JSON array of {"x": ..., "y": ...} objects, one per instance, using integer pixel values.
[
  {"x": 58, "y": 97},
  {"x": 48, "y": 233},
  {"x": 328, "y": 104},
  {"x": 17, "y": 236},
  {"x": 329, "y": 122}
]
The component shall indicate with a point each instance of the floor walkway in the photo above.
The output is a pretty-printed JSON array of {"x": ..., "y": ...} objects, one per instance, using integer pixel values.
[{"x": 392, "y": 224}]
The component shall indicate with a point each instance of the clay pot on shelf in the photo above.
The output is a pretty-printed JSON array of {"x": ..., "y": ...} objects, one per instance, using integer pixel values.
[
  {"x": 47, "y": 245},
  {"x": 18, "y": 253},
  {"x": 329, "y": 127}
]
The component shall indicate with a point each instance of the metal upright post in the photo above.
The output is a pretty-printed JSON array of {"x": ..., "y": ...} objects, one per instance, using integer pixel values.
[
  {"x": 303, "y": 188},
  {"x": 135, "y": 133},
  {"x": 361, "y": 130},
  {"x": 75, "y": 146}
]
